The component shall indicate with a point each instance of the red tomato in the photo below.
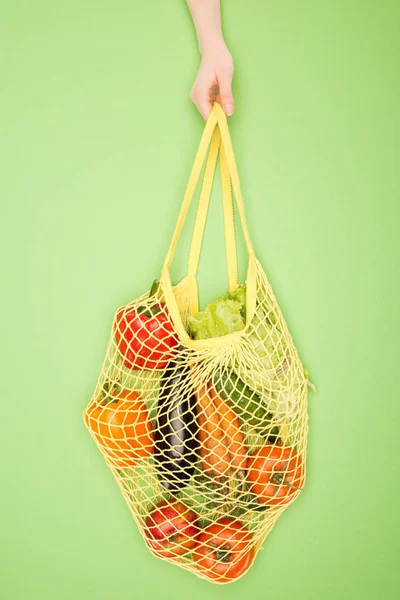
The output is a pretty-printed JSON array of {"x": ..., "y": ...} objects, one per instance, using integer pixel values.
[
  {"x": 171, "y": 529},
  {"x": 275, "y": 474},
  {"x": 225, "y": 550},
  {"x": 122, "y": 427},
  {"x": 144, "y": 341}
]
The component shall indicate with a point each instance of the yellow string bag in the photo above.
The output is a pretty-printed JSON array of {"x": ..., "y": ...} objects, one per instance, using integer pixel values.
[{"x": 205, "y": 437}]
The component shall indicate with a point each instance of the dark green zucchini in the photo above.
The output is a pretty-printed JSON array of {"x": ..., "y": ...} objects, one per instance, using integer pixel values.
[{"x": 247, "y": 403}]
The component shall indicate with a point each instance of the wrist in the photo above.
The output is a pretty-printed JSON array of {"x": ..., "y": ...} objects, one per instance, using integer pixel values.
[{"x": 212, "y": 44}]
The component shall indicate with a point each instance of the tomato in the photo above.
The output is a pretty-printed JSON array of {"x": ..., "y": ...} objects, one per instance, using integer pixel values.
[
  {"x": 122, "y": 427},
  {"x": 275, "y": 474},
  {"x": 225, "y": 550},
  {"x": 145, "y": 339},
  {"x": 171, "y": 529}
]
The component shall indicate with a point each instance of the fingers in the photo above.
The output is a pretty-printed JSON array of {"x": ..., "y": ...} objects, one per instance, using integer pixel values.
[
  {"x": 201, "y": 99},
  {"x": 213, "y": 83},
  {"x": 225, "y": 90},
  {"x": 204, "y": 99}
]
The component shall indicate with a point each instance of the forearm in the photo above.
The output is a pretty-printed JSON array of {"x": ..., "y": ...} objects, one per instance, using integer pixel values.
[
  {"x": 214, "y": 78},
  {"x": 206, "y": 15}
]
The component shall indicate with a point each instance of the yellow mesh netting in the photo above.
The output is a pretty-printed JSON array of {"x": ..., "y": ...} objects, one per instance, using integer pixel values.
[{"x": 205, "y": 437}]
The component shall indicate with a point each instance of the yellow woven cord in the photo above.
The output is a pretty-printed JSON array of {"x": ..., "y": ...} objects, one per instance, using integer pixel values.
[
  {"x": 229, "y": 223},
  {"x": 205, "y": 437},
  {"x": 198, "y": 232},
  {"x": 217, "y": 121},
  {"x": 202, "y": 211}
]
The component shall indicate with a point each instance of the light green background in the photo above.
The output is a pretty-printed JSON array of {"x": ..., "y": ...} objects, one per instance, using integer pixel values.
[{"x": 97, "y": 140}]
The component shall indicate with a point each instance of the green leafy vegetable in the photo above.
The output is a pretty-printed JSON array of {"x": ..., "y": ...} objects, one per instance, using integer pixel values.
[
  {"x": 239, "y": 295},
  {"x": 225, "y": 315},
  {"x": 267, "y": 374},
  {"x": 270, "y": 347}
]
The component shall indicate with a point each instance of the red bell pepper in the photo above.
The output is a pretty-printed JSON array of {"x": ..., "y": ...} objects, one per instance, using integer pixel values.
[{"x": 145, "y": 336}]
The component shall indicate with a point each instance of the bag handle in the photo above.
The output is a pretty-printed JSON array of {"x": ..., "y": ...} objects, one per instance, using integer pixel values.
[
  {"x": 216, "y": 131},
  {"x": 191, "y": 186},
  {"x": 202, "y": 210}
]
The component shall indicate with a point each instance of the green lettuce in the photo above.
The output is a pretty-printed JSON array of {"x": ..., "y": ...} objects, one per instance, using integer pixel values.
[
  {"x": 272, "y": 367},
  {"x": 225, "y": 315}
]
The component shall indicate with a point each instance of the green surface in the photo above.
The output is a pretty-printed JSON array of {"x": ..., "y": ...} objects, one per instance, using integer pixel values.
[{"x": 97, "y": 141}]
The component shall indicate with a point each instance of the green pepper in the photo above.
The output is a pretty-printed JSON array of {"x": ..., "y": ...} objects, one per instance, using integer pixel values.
[{"x": 246, "y": 402}]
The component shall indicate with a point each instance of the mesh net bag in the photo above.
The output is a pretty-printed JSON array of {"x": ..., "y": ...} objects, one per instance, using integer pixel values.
[{"x": 206, "y": 438}]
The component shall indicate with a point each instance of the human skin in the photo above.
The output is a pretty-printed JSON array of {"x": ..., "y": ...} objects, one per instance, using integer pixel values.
[{"x": 214, "y": 78}]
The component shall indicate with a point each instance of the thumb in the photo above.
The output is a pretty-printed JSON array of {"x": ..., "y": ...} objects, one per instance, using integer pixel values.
[{"x": 225, "y": 90}]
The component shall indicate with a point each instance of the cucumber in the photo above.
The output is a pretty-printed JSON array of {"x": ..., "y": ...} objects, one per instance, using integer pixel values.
[{"x": 247, "y": 403}]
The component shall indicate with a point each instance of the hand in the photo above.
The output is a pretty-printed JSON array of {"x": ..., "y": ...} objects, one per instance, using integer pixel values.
[{"x": 214, "y": 81}]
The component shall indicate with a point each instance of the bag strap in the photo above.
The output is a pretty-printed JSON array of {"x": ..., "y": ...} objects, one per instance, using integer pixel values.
[
  {"x": 229, "y": 222},
  {"x": 228, "y": 154},
  {"x": 204, "y": 200},
  {"x": 191, "y": 186},
  {"x": 216, "y": 130},
  {"x": 202, "y": 210}
]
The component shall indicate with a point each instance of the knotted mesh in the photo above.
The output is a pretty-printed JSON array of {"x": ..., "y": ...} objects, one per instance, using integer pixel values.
[{"x": 205, "y": 437}]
